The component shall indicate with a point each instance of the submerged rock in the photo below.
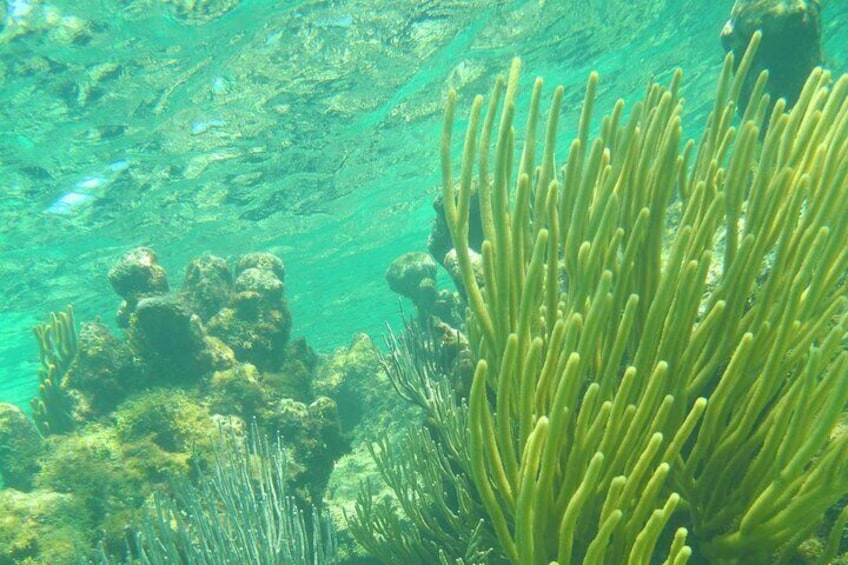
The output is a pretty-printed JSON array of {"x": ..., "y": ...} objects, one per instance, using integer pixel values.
[
  {"x": 790, "y": 47},
  {"x": 20, "y": 447},
  {"x": 263, "y": 261},
  {"x": 413, "y": 275},
  {"x": 238, "y": 390},
  {"x": 41, "y": 527},
  {"x": 354, "y": 376},
  {"x": 137, "y": 275},
  {"x": 313, "y": 436},
  {"x": 207, "y": 285},
  {"x": 170, "y": 339},
  {"x": 104, "y": 369},
  {"x": 257, "y": 322}
]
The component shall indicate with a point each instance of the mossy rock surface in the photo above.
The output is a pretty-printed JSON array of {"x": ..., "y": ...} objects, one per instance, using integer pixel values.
[
  {"x": 170, "y": 418},
  {"x": 40, "y": 527},
  {"x": 90, "y": 464},
  {"x": 20, "y": 447}
]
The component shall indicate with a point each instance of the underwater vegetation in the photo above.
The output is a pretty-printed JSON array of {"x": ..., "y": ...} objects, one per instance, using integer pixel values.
[{"x": 657, "y": 330}]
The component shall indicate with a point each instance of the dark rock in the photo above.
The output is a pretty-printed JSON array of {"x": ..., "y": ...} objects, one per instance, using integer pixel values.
[
  {"x": 790, "y": 46},
  {"x": 103, "y": 370},
  {"x": 169, "y": 338},
  {"x": 138, "y": 274},
  {"x": 439, "y": 241},
  {"x": 413, "y": 275}
]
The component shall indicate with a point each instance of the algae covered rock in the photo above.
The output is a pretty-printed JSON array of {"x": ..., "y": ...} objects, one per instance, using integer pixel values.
[
  {"x": 169, "y": 338},
  {"x": 137, "y": 274},
  {"x": 262, "y": 261},
  {"x": 20, "y": 447},
  {"x": 314, "y": 441},
  {"x": 297, "y": 372},
  {"x": 90, "y": 465},
  {"x": 238, "y": 390},
  {"x": 257, "y": 288},
  {"x": 247, "y": 392},
  {"x": 41, "y": 527},
  {"x": 169, "y": 417},
  {"x": 354, "y": 376},
  {"x": 111, "y": 470},
  {"x": 413, "y": 275},
  {"x": 257, "y": 323},
  {"x": 104, "y": 369},
  {"x": 207, "y": 285}
]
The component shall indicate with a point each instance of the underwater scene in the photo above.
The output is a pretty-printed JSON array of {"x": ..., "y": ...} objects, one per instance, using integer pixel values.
[{"x": 423, "y": 282}]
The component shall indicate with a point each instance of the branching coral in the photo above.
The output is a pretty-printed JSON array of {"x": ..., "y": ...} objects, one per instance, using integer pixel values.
[
  {"x": 602, "y": 344},
  {"x": 643, "y": 377},
  {"x": 57, "y": 344}
]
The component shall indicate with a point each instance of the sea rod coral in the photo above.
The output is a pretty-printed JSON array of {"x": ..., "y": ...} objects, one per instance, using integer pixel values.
[{"x": 658, "y": 335}]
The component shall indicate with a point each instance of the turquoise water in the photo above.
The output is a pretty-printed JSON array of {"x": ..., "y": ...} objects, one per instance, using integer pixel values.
[{"x": 308, "y": 129}]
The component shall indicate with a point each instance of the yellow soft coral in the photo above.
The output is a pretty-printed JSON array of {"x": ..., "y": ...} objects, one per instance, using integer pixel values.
[{"x": 631, "y": 380}]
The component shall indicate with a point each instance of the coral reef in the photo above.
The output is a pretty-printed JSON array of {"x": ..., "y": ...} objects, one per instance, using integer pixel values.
[{"x": 125, "y": 417}]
